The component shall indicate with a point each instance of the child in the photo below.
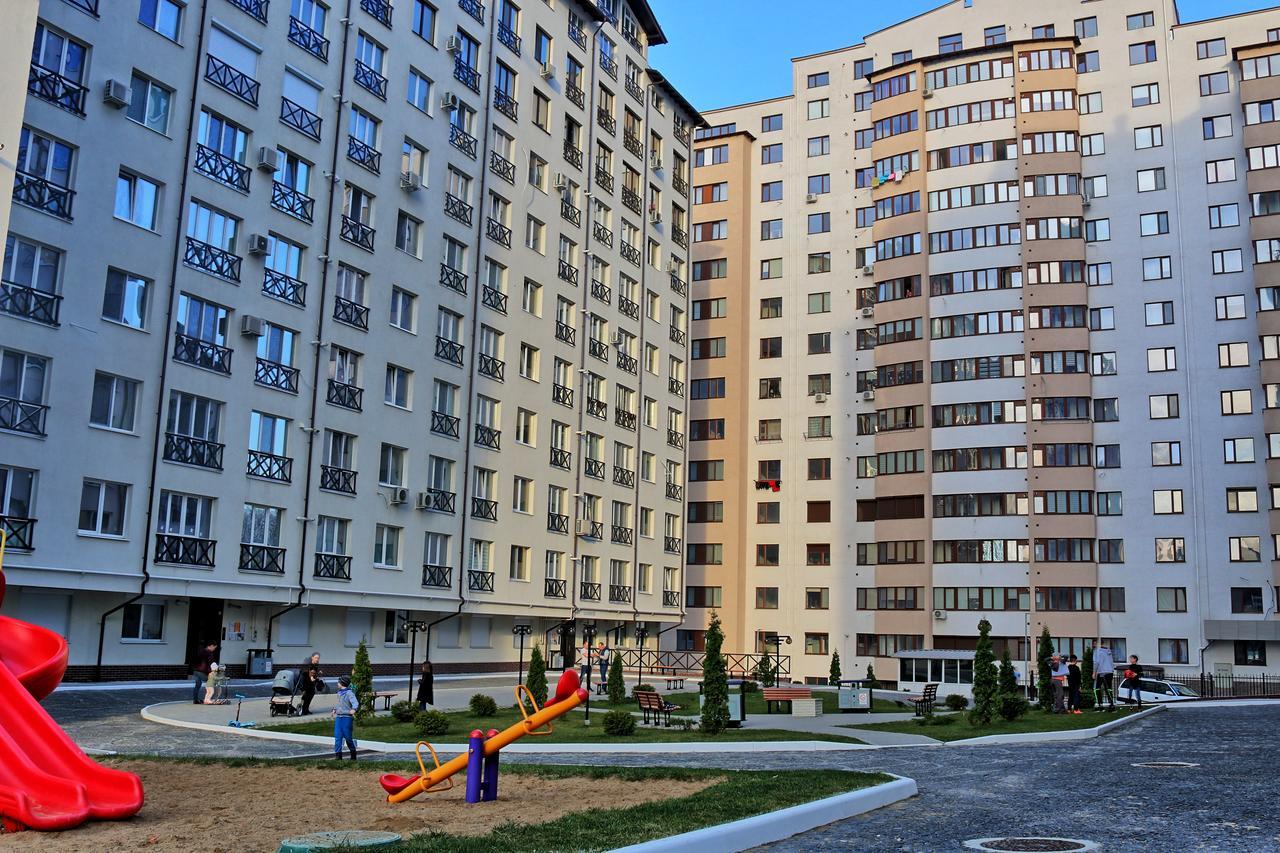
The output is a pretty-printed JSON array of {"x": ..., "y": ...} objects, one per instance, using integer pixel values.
[
  {"x": 209, "y": 681},
  {"x": 1074, "y": 677},
  {"x": 344, "y": 718}
]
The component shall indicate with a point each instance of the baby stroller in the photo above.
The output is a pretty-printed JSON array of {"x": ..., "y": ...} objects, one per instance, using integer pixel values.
[
  {"x": 283, "y": 691},
  {"x": 217, "y": 687}
]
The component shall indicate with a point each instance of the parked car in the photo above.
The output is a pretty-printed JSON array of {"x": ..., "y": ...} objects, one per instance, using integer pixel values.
[{"x": 1153, "y": 690}]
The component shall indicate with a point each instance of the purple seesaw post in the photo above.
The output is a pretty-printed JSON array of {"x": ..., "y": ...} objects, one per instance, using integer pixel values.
[
  {"x": 491, "y": 772},
  {"x": 475, "y": 766}
]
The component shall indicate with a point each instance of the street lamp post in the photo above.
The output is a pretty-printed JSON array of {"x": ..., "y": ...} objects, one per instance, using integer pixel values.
[
  {"x": 588, "y": 636},
  {"x": 776, "y": 642},
  {"x": 642, "y": 634},
  {"x": 413, "y": 626},
  {"x": 522, "y": 631}
]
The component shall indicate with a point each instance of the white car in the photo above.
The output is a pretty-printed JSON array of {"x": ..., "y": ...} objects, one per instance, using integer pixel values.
[{"x": 1153, "y": 690}]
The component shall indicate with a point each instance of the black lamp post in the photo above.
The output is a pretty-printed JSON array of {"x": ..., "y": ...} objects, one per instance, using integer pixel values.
[
  {"x": 642, "y": 634},
  {"x": 522, "y": 631},
  {"x": 588, "y": 637},
  {"x": 776, "y": 642},
  {"x": 413, "y": 626}
]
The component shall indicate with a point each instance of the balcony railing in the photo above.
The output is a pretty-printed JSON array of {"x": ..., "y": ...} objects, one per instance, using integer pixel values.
[
  {"x": 682, "y": 136},
  {"x": 437, "y": 577},
  {"x": 261, "y": 558},
  {"x": 601, "y": 291},
  {"x": 184, "y": 550},
  {"x": 628, "y": 307},
  {"x": 672, "y": 544},
  {"x": 370, "y": 80},
  {"x": 495, "y": 299},
  {"x": 231, "y": 80},
  {"x": 269, "y": 466},
  {"x": 557, "y": 522},
  {"x": 345, "y": 396},
  {"x": 221, "y": 168},
  {"x": 670, "y": 598},
  {"x": 629, "y": 253},
  {"x": 578, "y": 33},
  {"x": 89, "y": 6},
  {"x": 43, "y": 195},
  {"x": 19, "y": 532},
  {"x": 597, "y": 349},
  {"x": 632, "y": 143},
  {"x": 351, "y": 313},
  {"x": 198, "y": 353},
  {"x": 678, "y": 336},
  {"x": 474, "y": 9},
  {"x": 504, "y": 103},
  {"x": 463, "y": 141},
  {"x": 634, "y": 90},
  {"x": 58, "y": 90},
  {"x": 570, "y": 213},
  {"x": 555, "y": 588},
  {"x": 19, "y": 300},
  {"x": 573, "y": 155},
  {"x": 675, "y": 439},
  {"x": 449, "y": 426},
  {"x": 494, "y": 368},
  {"x": 292, "y": 202},
  {"x": 335, "y": 567},
  {"x": 562, "y": 394},
  {"x": 450, "y": 351},
  {"x": 364, "y": 155},
  {"x": 497, "y": 232},
  {"x": 479, "y": 581},
  {"x": 619, "y": 594},
  {"x": 458, "y": 209},
  {"x": 609, "y": 65},
  {"x": 589, "y": 591},
  {"x": 624, "y": 477},
  {"x": 502, "y": 167},
  {"x": 680, "y": 185},
  {"x": 606, "y": 120},
  {"x": 188, "y": 450},
  {"x": 567, "y": 272},
  {"x": 508, "y": 36},
  {"x": 680, "y": 236},
  {"x": 489, "y": 437},
  {"x": 308, "y": 39},
  {"x": 438, "y": 500},
  {"x": 675, "y": 491},
  {"x": 575, "y": 94},
  {"x": 300, "y": 118},
  {"x": 272, "y": 374},
  {"x": 624, "y": 419},
  {"x": 379, "y": 9},
  {"x": 285, "y": 288},
  {"x": 675, "y": 386},
  {"x": 453, "y": 279},
  {"x": 631, "y": 200},
  {"x": 337, "y": 479},
  {"x": 678, "y": 285},
  {"x": 561, "y": 459},
  {"x": 208, "y": 258},
  {"x": 566, "y": 333},
  {"x": 597, "y": 408},
  {"x": 256, "y": 9},
  {"x": 595, "y": 530},
  {"x": 603, "y": 234},
  {"x": 357, "y": 233},
  {"x": 466, "y": 75},
  {"x": 594, "y": 469},
  {"x": 484, "y": 509}
]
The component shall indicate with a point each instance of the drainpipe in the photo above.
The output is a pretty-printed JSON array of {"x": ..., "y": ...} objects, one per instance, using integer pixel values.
[{"x": 164, "y": 360}]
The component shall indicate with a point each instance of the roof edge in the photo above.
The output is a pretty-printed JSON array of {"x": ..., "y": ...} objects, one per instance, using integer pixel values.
[{"x": 662, "y": 82}]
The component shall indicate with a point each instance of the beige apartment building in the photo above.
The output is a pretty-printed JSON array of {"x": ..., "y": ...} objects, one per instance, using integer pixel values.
[
  {"x": 319, "y": 320},
  {"x": 983, "y": 327}
]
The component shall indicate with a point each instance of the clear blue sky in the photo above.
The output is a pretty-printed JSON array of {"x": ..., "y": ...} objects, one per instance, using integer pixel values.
[{"x": 725, "y": 52}]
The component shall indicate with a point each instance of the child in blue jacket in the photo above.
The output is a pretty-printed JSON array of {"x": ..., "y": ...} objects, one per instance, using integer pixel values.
[{"x": 344, "y": 718}]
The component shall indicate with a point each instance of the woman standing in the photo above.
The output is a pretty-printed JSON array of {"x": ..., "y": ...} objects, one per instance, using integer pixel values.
[
  {"x": 310, "y": 675},
  {"x": 426, "y": 687}
]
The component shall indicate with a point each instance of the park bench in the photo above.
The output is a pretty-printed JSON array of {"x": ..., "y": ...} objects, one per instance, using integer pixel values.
[
  {"x": 386, "y": 696},
  {"x": 675, "y": 682},
  {"x": 652, "y": 703},
  {"x": 778, "y": 695},
  {"x": 924, "y": 702}
]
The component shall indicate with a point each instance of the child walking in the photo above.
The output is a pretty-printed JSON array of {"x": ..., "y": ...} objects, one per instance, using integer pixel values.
[{"x": 344, "y": 718}]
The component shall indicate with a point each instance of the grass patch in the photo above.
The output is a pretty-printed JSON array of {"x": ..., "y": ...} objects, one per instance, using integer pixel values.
[{"x": 959, "y": 728}]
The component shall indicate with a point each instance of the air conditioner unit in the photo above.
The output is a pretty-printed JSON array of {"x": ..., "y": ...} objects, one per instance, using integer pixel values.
[
  {"x": 869, "y": 394},
  {"x": 672, "y": 267},
  {"x": 449, "y": 102},
  {"x": 819, "y": 397},
  {"x": 116, "y": 94},
  {"x": 616, "y": 339},
  {"x": 868, "y": 311},
  {"x": 1086, "y": 199},
  {"x": 562, "y": 181},
  {"x": 251, "y": 326},
  {"x": 267, "y": 158},
  {"x": 410, "y": 181},
  {"x": 398, "y": 496},
  {"x": 655, "y": 217},
  {"x": 452, "y": 44},
  {"x": 424, "y": 500},
  {"x": 927, "y": 93},
  {"x": 548, "y": 71},
  {"x": 866, "y": 270},
  {"x": 582, "y": 527},
  {"x": 655, "y": 161},
  {"x": 811, "y": 198},
  {"x": 940, "y": 615},
  {"x": 897, "y": 177},
  {"x": 257, "y": 244}
]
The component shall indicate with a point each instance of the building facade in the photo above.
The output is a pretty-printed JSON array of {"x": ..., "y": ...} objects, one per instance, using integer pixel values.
[
  {"x": 1000, "y": 289},
  {"x": 236, "y": 226}
]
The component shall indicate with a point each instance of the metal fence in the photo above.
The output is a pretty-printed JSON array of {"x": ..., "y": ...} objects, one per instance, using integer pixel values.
[
  {"x": 1212, "y": 686},
  {"x": 738, "y": 665}
]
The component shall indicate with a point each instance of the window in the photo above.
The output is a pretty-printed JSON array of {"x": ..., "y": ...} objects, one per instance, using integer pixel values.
[
  {"x": 1244, "y": 549},
  {"x": 814, "y": 81},
  {"x": 819, "y": 343},
  {"x": 1150, "y": 224},
  {"x": 1250, "y": 652},
  {"x": 1224, "y": 216},
  {"x": 1236, "y": 402},
  {"x": 1220, "y": 171},
  {"x": 1157, "y": 269},
  {"x": 1086, "y": 28},
  {"x": 1151, "y": 180},
  {"x": 1146, "y": 94},
  {"x": 149, "y": 103},
  {"x": 136, "y": 200},
  {"x": 125, "y": 299},
  {"x": 1246, "y": 599},
  {"x": 1165, "y": 453},
  {"x": 1218, "y": 83},
  {"x": 1237, "y": 450},
  {"x": 1171, "y": 550},
  {"x": 1148, "y": 137},
  {"x": 994, "y": 35},
  {"x": 408, "y": 234},
  {"x": 771, "y": 229},
  {"x": 1087, "y": 62},
  {"x": 950, "y": 44},
  {"x": 1233, "y": 354},
  {"x": 142, "y": 622},
  {"x": 1211, "y": 48},
  {"x": 403, "y": 309},
  {"x": 1092, "y": 144},
  {"x": 1216, "y": 127},
  {"x": 820, "y": 108},
  {"x": 768, "y": 124},
  {"x": 163, "y": 16},
  {"x": 819, "y": 146},
  {"x": 114, "y": 402},
  {"x": 771, "y": 153},
  {"x": 816, "y": 644},
  {"x": 102, "y": 508},
  {"x": 819, "y": 223},
  {"x": 386, "y": 548},
  {"x": 1160, "y": 359},
  {"x": 1242, "y": 500},
  {"x": 1174, "y": 651},
  {"x": 1142, "y": 53},
  {"x": 771, "y": 347},
  {"x": 1140, "y": 21}
]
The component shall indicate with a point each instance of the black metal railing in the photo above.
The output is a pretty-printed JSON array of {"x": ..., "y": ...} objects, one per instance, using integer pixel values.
[
  {"x": 619, "y": 594},
  {"x": 508, "y": 36},
  {"x": 497, "y": 232},
  {"x": 438, "y": 577},
  {"x": 458, "y": 209},
  {"x": 629, "y": 253},
  {"x": 478, "y": 581},
  {"x": 198, "y": 353},
  {"x": 576, "y": 95},
  {"x": 624, "y": 419},
  {"x": 231, "y": 80},
  {"x": 449, "y": 426},
  {"x": 379, "y": 9},
  {"x": 504, "y": 103},
  {"x": 672, "y": 544},
  {"x": 597, "y": 408},
  {"x": 678, "y": 336},
  {"x": 494, "y": 368},
  {"x": 19, "y": 532},
  {"x": 345, "y": 396},
  {"x": 589, "y": 591},
  {"x": 256, "y": 9},
  {"x": 21, "y": 416},
  {"x": 285, "y": 288},
  {"x": 484, "y": 509},
  {"x": 555, "y": 588},
  {"x": 60, "y": 91},
  {"x": 450, "y": 351},
  {"x": 487, "y": 436},
  {"x": 43, "y": 195},
  {"x": 1211, "y": 686},
  {"x": 682, "y": 136},
  {"x": 578, "y": 33},
  {"x": 184, "y": 550},
  {"x": 370, "y": 80},
  {"x": 628, "y": 363},
  {"x": 495, "y": 299},
  {"x": 453, "y": 279},
  {"x": 675, "y": 439},
  {"x": 308, "y": 39},
  {"x": 562, "y": 394},
  {"x": 473, "y": 8},
  {"x": 463, "y": 141},
  {"x": 609, "y": 65},
  {"x": 351, "y": 313},
  {"x": 300, "y": 118},
  {"x": 356, "y": 232},
  {"x": 594, "y": 469},
  {"x": 502, "y": 167},
  {"x": 189, "y": 450},
  {"x": 269, "y": 466},
  {"x": 209, "y": 258},
  {"x": 20, "y": 300},
  {"x": 657, "y": 661},
  {"x": 466, "y": 75},
  {"x": 336, "y": 567},
  {"x": 602, "y": 233},
  {"x": 566, "y": 334},
  {"x": 365, "y": 155},
  {"x": 557, "y": 522},
  {"x": 606, "y": 120},
  {"x": 438, "y": 500},
  {"x": 624, "y": 477},
  {"x": 220, "y": 167},
  {"x": 628, "y": 307},
  {"x": 561, "y": 458},
  {"x": 631, "y": 200},
  {"x": 675, "y": 491},
  {"x": 634, "y": 90},
  {"x": 680, "y": 236},
  {"x": 620, "y": 535},
  {"x": 292, "y": 202},
  {"x": 573, "y": 155},
  {"x": 601, "y": 291},
  {"x": 598, "y": 349},
  {"x": 595, "y": 530},
  {"x": 570, "y": 213},
  {"x": 334, "y": 479},
  {"x": 275, "y": 375},
  {"x": 567, "y": 272},
  {"x": 604, "y": 178},
  {"x": 261, "y": 558},
  {"x": 671, "y": 598},
  {"x": 678, "y": 285},
  {"x": 680, "y": 185},
  {"x": 632, "y": 143},
  {"x": 675, "y": 386}
]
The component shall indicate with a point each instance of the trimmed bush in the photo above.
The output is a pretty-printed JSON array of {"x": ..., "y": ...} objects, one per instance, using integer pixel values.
[
  {"x": 362, "y": 682},
  {"x": 715, "y": 680},
  {"x": 619, "y": 723},
  {"x": 536, "y": 680},
  {"x": 483, "y": 706},
  {"x": 431, "y": 722},
  {"x": 1012, "y": 706},
  {"x": 750, "y": 687},
  {"x": 640, "y": 687},
  {"x": 615, "y": 685},
  {"x": 404, "y": 712},
  {"x": 956, "y": 702}
]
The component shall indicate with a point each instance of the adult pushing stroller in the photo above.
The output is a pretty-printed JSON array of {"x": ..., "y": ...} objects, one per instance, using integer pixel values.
[{"x": 283, "y": 692}]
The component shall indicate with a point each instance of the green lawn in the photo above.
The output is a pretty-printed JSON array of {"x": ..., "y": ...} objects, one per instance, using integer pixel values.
[{"x": 958, "y": 727}]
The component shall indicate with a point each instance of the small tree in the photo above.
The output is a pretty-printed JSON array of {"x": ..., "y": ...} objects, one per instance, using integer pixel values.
[
  {"x": 764, "y": 671},
  {"x": 1086, "y": 679},
  {"x": 617, "y": 687},
  {"x": 871, "y": 677},
  {"x": 834, "y": 679},
  {"x": 1008, "y": 678},
  {"x": 985, "y": 684},
  {"x": 362, "y": 682},
  {"x": 1044, "y": 672},
  {"x": 715, "y": 681},
  {"x": 536, "y": 680}
]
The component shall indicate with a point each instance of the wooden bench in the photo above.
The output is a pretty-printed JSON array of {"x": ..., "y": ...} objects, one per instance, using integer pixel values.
[
  {"x": 924, "y": 702},
  {"x": 386, "y": 696},
  {"x": 675, "y": 682},
  {"x": 652, "y": 703},
  {"x": 778, "y": 695}
]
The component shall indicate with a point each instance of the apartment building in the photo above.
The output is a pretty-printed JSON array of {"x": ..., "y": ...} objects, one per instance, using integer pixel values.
[
  {"x": 1000, "y": 282},
  {"x": 319, "y": 321}
]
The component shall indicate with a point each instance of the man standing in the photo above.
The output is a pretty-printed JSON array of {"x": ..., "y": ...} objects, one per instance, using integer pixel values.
[
  {"x": 1133, "y": 677},
  {"x": 1104, "y": 668},
  {"x": 1058, "y": 675},
  {"x": 1074, "y": 678},
  {"x": 603, "y": 659},
  {"x": 200, "y": 671}
]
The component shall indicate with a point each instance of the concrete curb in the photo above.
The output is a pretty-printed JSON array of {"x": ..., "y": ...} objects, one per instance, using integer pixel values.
[
  {"x": 777, "y": 826},
  {"x": 1045, "y": 737}
]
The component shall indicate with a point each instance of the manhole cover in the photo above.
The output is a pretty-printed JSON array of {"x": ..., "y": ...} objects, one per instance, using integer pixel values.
[
  {"x": 1164, "y": 764},
  {"x": 1031, "y": 845}
]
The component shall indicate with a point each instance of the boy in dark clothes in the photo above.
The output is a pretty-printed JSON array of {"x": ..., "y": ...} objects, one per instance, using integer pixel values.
[{"x": 1073, "y": 685}]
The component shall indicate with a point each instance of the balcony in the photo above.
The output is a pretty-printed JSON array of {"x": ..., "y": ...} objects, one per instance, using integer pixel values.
[
  {"x": 277, "y": 285},
  {"x": 438, "y": 500},
  {"x": 345, "y": 396},
  {"x": 189, "y": 450},
  {"x": 437, "y": 577},
  {"x": 450, "y": 351},
  {"x": 595, "y": 530},
  {"x": 184, "y": 550},
  {"x": 502, "y": 167},
  {"x": 450, "y": 426},
  {"x": 58, "y": 90},
  {"x": 495, "y": 299},
  {"x": 288, "y": 200},
  {"x": 576, "y": 95},
  {"x": 632, "y": 143},
  {"x": 256, "y": 9},
  {"x": 300, "y": 119},
  {"x": 19, "y": 300},
  {"x": 562, "y": 394},
  {"x": 678, "y": 285},
  {"x": 231, "y": 80},
  {"x": 619, "y": 594},
  {"x": 670, "y": 598},
  {"x": 221, "y": 168},
  {"x": 269, "y": 466},
  {"x": 561, "y": 459},
  {"x": 308, "y": 39},
  {"x": 680, "y": 185},
  {"x": 603, "y": 234},
  {"x": 594, "y": 469},
  {"x": 624, "y": 419},
  {"x": 484, "y": 509},
  {"x": 508, "y": 36},
  {"x": 635, "y": 90},
  {"x": 567, "y": 272},
  {"x": 198, "y": 353},
  {"x": 455, "y": 280},
  {"x": 270, "y": 374},
  {"x": 494, "y": 368},
  {"x": 609, "y": 65},
  {"x": 629, "y": 308},
  {"x": 350, "y": 313},
  {"x": 479, "y": 581},
  {"x": 557, "y": 522},
  {"x": 678, "y": 336},
  {"x": 566, "y": 334},
  {"x": 604, "y": 178},
  {"x": 675, "y": 386},
  {"x": 672, "y": 544},
  {"x": 631, "y": 201},
  {"x": 606, "y": 120},
  {"x": 578, "y": 33},
  {"x": 458, "y": 209},
  {"x": 370, "y": 80},
  {"x": 573, "y": 155},
  {"x": 364, "y": 155},
  {"x": 626, "y": 478},
  {"x": 682, "y": 136},
  {"x": 211, "y": 259},
  {"x": 597, "y": 408},
  {"x": 357, "y": 233},
  {"x": 463, "y": 141},
  {"x": 487, "y": 436},
  {"x": 334, "y": 567},
  {"x": 589, "y": 591},
  {"x": 379, "y": 9},
  {"x": 630, "y": 253},
  {"x": 19, "y": 532},
  {"x": 497, "y": 232},
  {"x": 675, "y": 439},
  {"x": 466, "y": 75},
  {"x": 628, "y": 363},
  {"x": 675, "y": 491},
  {"x": 43, "y": 195},
  {"x": 680, "y": 236},
  {"x": 571, "y": 214},
  {"x": 261, "y": 558},
  {"x": 598, "y": 349},
  {"x": 601, "y": 291},
  {"x": 337, "y": 480},
  {"x": 555, "y": 588},
  {"x": 505, "y": 104},
  {"x": 474, "y": 9}
]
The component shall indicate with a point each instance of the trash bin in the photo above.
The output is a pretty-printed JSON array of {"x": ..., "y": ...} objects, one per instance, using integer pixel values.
[
  {"x": 855, "y": 695},
  {"x": 259, "y": 663},
  {"x": 737, "y": 704}
]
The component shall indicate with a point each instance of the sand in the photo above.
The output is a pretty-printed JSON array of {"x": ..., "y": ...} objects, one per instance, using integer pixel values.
[{"x": 214, "y": 808}]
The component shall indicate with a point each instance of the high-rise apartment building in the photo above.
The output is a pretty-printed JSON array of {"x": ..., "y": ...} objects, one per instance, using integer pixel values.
[
  {"x": 983, "y": 313},
  {"x": 318, "y": 320}
]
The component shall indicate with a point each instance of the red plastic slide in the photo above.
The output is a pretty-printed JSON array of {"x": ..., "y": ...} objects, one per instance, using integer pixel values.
[{"x": 46, "y": 781}]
